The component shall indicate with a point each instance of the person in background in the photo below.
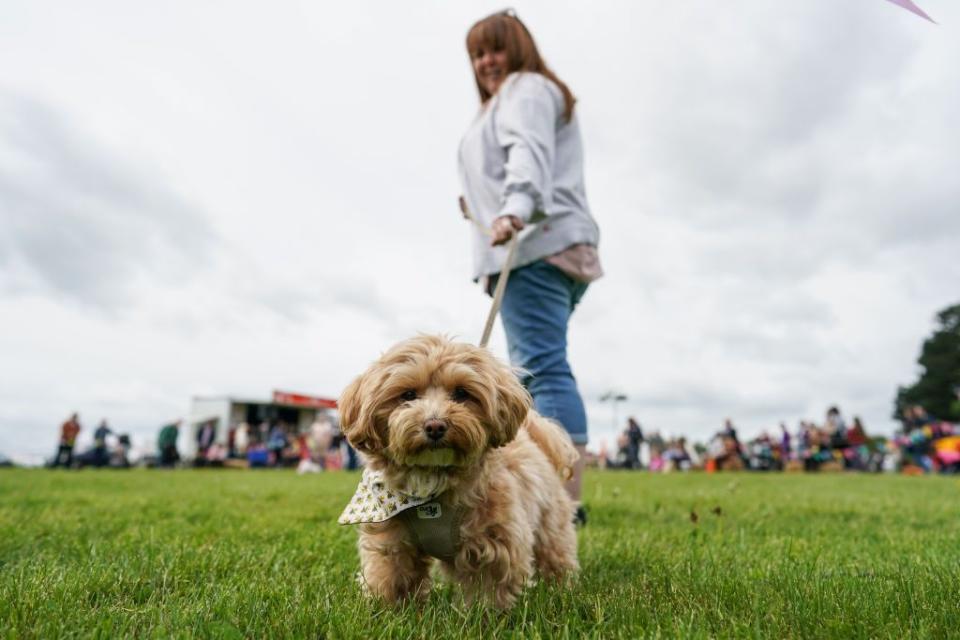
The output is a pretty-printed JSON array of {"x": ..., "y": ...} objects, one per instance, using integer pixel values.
[
  {"x": 167, "y": 444},
  {"x": 836, "y": 428},
  {"x": 858, "y": 452},
  {"x": 232, "y": 442},
  {"x": 634, "y": 439},
  {"x": 305, "y": 456},
  {"x": 919, "y": 449},
  {"x": 730, "y": 431},
  {"x": 676, "y": 457},
  {"x": 856, "y": 434},
  {"x": 784, "y": 443},
  {"x": 920, "y": 418},
  {"x": 521, "y": 165},
  {"x": 101, "y": 457},
  {"x": 276, "y": 443},
  {"x": 321, "y": 437},
  {"x": 68, "y": 439},
  {"x": 621, "y": 460},
  {"x": 241, "y": 439},
  {"x": 206, "y": 436},
  {"x": 353, "y": 462},
  {"x": 333, "y": 458},
  {"x": 216, "y": 455},
  {"x": 120, "y": 455},
  {"x": 656, "y": 442}
]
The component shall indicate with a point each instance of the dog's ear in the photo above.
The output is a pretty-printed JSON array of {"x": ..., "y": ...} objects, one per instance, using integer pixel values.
[
  {"x": 513, "y": 404},
  {"x": 357, "y": 416}
]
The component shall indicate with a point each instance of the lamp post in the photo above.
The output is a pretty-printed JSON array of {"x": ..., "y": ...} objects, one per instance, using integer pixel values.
[{"x": 613, "y": 398}]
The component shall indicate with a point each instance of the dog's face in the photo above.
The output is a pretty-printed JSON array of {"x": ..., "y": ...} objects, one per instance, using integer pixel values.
[{"x": 431, "y": 402}]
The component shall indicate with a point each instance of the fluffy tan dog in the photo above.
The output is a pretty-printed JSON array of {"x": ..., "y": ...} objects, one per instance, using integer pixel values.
[{"x": 449, "y": 421}]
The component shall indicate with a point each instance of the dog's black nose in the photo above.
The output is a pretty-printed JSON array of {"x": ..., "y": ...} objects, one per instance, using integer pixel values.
[{"x": 435, "y": 428}]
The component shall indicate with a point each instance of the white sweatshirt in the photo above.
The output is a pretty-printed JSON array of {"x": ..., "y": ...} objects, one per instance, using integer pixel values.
[{"x": 520, "y": 157}]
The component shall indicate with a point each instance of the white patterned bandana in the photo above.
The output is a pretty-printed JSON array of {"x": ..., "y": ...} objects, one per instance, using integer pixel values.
[{"x": 373, "y": 502}]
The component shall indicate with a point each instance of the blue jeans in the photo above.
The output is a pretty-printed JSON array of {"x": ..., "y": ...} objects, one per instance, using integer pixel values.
[{"x": 535, "y": 312}]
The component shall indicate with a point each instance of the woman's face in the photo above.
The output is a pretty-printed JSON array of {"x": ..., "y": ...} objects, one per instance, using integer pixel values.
[{"x": 490, "y": 67}]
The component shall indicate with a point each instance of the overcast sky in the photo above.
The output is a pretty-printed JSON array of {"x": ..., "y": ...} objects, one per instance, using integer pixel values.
[{"x": 230, "y": 198}]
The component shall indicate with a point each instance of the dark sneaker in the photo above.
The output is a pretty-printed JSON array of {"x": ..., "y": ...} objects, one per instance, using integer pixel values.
[{"x": 580, "y": 517}]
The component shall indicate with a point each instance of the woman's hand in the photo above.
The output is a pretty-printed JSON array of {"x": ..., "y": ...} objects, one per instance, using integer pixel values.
[{"x": 503, "y": 229}]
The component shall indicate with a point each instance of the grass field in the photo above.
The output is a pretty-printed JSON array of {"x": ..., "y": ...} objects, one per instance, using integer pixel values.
[{"x": 259, "y": 554}]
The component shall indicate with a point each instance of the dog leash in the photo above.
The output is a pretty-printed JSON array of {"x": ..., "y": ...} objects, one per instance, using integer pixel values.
[
  {"x": 498, "y": 292},
  {"x": 504, "y": 273}
]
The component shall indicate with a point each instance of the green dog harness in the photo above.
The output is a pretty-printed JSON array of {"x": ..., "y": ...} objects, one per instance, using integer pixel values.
[
  {"x": 432, "y": 522},
  {"x": 435, "y": 528}
]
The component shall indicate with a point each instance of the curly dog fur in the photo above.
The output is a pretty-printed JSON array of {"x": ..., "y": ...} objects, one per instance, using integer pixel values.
[{"x": 440, "y": 416}]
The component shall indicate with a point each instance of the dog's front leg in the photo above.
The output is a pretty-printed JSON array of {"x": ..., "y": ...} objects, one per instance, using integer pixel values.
[
  {"x": 390, "y": 564},
  {"x": 495, "y": 564}
]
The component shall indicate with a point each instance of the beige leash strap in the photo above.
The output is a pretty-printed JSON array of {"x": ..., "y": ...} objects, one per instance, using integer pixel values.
[
  {"x": 498, "y": 292},
  {"x": 504, "y": 273}
]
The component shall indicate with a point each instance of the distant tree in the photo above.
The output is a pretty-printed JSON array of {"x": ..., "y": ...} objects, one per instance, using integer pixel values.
[{"x": 939, "y": 382}]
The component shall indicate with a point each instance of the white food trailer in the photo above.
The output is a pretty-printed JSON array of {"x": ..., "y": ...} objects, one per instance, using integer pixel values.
[{"x": 296, "y": 411}]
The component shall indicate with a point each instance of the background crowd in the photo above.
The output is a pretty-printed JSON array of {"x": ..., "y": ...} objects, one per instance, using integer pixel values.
[
  {"x": 924, "y": 444},
  {"x": 277, "y": 444},
  {"x": 268, "y": 444},
  {"x": 109, "y": 448}
]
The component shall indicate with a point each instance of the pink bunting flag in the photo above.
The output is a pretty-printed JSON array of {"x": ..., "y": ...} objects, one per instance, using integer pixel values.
[{"x": 910, "y": 6}]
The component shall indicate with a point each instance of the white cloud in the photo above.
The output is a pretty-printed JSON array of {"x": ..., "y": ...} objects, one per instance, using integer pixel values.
[{"x": 80, "y": 224}]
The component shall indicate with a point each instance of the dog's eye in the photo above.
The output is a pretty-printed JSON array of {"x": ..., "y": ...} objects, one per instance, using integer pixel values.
[
  {"x": 408, "y": 395},
  {"x": 460, "y": 395}
]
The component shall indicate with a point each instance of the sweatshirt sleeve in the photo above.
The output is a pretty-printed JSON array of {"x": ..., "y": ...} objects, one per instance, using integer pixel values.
[{"x": 526, "y": 129}]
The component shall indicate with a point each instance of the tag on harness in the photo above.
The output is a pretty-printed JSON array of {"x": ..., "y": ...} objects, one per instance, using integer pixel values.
[{"x": 429, "y": 511}]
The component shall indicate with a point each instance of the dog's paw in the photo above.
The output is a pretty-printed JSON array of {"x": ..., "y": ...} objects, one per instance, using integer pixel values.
[{"x": 362, "y": 583}]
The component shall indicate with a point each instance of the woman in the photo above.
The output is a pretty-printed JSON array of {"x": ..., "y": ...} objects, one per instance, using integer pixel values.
[{"x": 521, "y": 166}]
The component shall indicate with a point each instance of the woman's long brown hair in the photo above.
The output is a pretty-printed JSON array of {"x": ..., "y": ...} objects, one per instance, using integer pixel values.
[{"x": 503, "y": 31}]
